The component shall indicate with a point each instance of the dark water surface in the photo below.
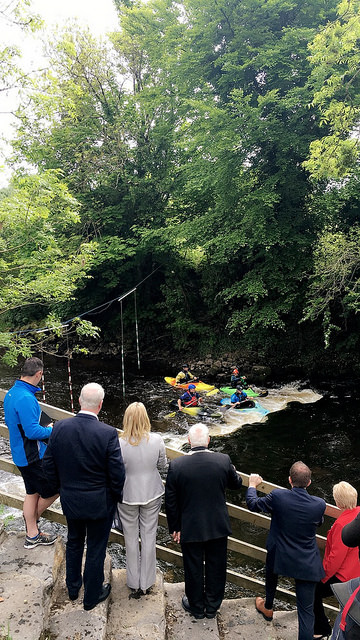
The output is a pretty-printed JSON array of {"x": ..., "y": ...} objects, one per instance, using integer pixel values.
[{"x": 324, "y": 434}]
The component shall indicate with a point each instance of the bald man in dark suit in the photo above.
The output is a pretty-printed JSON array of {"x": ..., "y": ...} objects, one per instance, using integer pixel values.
[{"x": 198, "y": 518}]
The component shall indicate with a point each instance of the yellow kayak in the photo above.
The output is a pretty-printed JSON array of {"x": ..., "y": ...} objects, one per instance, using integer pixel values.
[{"x": 200, "y": 386}]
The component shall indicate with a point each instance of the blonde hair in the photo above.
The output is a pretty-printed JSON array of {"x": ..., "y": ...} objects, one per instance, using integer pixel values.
[
  {"x": 136, "y": 423},
  {"x": 345, "y": 495}
]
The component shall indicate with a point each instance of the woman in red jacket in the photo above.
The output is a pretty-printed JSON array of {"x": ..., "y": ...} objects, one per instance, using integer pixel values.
[{"x": 340, "y": 563}]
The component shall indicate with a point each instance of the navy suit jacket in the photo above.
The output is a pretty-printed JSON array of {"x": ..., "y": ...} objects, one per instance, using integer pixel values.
[
  {"x": 291, "y": 541},
  {"x": 195, "y": 495},
  {"x": 83, "y": 461}
]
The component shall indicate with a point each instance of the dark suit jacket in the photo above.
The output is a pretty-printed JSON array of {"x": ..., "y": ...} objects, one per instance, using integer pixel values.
[
  {"x": 350, "y": 534},
  {"x": 195, "y": 495},
  {"x": 295, "y": 516},
  {"x": 83, "y": 460}
]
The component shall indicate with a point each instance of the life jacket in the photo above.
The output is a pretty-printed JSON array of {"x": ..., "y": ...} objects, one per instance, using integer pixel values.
[
  {"x": 183, "y": 377},
  {"x": 192, "y": 402}
]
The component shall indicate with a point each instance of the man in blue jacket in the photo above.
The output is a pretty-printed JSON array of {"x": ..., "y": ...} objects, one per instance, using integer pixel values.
[
  {"x": 291, "y": 545},
  {"x": 190, "y": 398},
  {"x": 84, "y": 459},
  {"x": 28, "y": 444},
  {"x": 237, "y": 398}
]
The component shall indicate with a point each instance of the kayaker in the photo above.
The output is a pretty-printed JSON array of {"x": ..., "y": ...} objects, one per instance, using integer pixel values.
[
  {"x": 184, "y": 375},
  {"x": 237, "y": 380},
  {"x": 190, "y": 398},
  {"x": 238, "y": 397}
]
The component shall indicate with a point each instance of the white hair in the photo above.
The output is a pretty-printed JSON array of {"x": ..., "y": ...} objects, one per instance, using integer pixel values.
[
  {"x": 91, "y": 395},
  {"x": 199, "y": 435},
  {"x": 345, "y": 495}
]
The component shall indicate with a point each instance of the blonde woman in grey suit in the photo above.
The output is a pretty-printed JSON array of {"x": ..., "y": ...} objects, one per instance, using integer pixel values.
[{"x": 143, "y": 454}]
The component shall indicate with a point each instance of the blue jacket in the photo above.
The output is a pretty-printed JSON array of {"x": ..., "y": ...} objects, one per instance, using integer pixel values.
[
  {"x": 291, "y": 541},
  {"x": 22, "y": 414},
  {"x": 238, "y": 397}
]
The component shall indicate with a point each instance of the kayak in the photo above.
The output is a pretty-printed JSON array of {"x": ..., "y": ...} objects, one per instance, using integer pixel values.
[
  {"x": 200, "y": 386},
  {"x": 195, "y": 412},
  {"x": 227, "y": 402},
  {"x": 246, "y": 404},
  {"x": 249, "y": 392}
]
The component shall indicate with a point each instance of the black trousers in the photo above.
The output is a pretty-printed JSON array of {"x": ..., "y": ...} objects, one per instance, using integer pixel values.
[
  {"x": 305, "y": 592},
  {"x": 96, "y": 533},
  {"x": 205, "y": 584},
  {"x": 323, "y": 590}
]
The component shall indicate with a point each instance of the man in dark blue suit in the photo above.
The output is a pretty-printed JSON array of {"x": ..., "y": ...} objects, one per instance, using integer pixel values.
[
  {"x": 291, "y": 544},
  {"x": 83, "y": 459}
]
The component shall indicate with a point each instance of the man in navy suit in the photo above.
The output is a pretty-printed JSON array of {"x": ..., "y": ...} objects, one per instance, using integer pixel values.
[
  {"x": 291, "y": 544},
  {"x": 198, "y": 518},
  {"x": 83, "y": 459}
]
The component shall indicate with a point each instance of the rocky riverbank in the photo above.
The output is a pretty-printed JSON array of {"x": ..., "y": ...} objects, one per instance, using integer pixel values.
[
  {"x": 260, "y": 369},
  {"x": 212, "y": 367}
]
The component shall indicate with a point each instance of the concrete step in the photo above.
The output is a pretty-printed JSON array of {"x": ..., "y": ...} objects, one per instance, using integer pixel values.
[
  {"x": 238, "y": 620},
  {"x": 27, "y": 580},
  {"x": 181, "y": 625},
  {"x": 69, "y": 621},
  {"x": 34, "y": 604},
  {"x": 131, "y": 619}
]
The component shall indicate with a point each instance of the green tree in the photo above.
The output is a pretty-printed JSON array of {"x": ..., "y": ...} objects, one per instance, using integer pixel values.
[
  {"x": 335, "y": 60},
  {"x": 186, "y": 142},
  {"x": 19, "y": 13},
  {"x": 40, "y": 266}
]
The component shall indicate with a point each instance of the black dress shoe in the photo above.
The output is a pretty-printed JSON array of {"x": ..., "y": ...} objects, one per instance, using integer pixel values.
[
  {"x": 186, "y": 607},
  {"x": 105, "y": 592},
  {"x": 73, "y": 596},
  {"x": 210, "y": 615}
]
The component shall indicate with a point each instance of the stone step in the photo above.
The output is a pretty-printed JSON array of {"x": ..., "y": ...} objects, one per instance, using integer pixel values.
[
  {"x": 27, "y": 580},
  {"x": 181, "y": 625},
  {"x": 236, "y": 620},
  {"x": 34, "y": 604},
  {"x": 239, "y": 620},
  {"x": 69, "y": 621},
  {"x": 136, "y": 619}
]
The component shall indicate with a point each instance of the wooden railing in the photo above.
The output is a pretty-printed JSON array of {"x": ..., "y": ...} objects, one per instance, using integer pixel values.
[{"x": 165, "y": 553}]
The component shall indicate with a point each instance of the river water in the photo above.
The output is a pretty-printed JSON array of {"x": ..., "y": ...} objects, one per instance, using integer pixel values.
[{"x": 302, "y": 423}]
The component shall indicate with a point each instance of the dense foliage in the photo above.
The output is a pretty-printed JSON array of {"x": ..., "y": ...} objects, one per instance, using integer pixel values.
[{"x": 217, "y": 140}]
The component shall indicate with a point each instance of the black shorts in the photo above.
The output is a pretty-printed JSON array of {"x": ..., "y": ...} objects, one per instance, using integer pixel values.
[{"x": 35, "y": 480}]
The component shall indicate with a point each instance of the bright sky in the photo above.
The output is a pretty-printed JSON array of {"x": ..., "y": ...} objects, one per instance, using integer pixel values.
[{"x": 99, "y": 15}]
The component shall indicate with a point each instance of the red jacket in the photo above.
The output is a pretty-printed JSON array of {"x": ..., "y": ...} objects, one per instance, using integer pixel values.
[{"x": 339, "y": 560}]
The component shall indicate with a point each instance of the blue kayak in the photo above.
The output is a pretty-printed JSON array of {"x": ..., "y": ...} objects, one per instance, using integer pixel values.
[{"x": 258, "y": 407}]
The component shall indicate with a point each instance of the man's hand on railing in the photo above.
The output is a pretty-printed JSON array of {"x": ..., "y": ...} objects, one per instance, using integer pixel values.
[
  {"x": 254, "y": 480},
  {"x": 176, "y": 536}
]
